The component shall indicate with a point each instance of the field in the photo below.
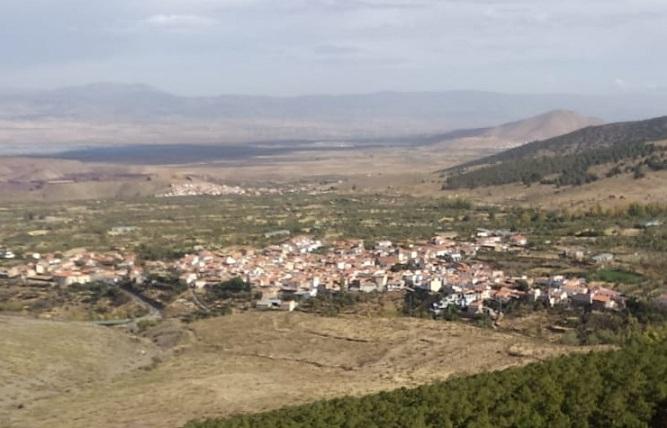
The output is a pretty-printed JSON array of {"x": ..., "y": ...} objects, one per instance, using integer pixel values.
[
  {"x": 237, "y": 364},
  {"x": 180, "y": 223}
]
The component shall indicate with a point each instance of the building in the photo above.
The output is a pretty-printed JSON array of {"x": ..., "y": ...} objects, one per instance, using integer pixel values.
[
  {"x": 69, "y": 278},
  {"x": 7, "y": 254},
  {"x": 603, "y": 258},
  {"x": 276, "y": 305}
]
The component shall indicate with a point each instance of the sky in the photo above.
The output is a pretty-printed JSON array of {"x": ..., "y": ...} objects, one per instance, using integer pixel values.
[{"x": 296, "y": 47}]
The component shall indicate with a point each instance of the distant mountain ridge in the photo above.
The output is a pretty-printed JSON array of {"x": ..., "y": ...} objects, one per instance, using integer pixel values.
[
  {"x": 109, "y": 114},
  {"x": 453, "y": 109}
]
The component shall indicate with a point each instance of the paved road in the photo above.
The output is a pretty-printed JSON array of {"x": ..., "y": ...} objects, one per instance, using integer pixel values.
[
  {"x": 198, "y": 302},
  {"x": 154, "y": 314}
]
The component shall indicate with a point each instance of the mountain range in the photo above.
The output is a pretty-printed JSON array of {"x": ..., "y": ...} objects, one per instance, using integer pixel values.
[
  {"x": 460, "y": 108},
  {"x": 109, "y": 113}
]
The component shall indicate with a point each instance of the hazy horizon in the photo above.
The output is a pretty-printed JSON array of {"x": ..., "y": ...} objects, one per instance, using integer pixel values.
[
  {"x": 4, "y": 90},
  {"x": 298, "y": 47}
]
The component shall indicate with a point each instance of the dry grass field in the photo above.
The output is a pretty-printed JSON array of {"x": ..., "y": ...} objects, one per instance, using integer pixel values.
[
  {"x": 240, "y": 363},
  {"x": 40, "y": 360}
]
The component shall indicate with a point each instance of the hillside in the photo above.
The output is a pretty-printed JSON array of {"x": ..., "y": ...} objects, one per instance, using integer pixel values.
[
  {"x": 587, "y": 139},
  {"x": 42, "y": 360},
  {"x": 567, "y": 159},
  {"x": 615, "y": 389},
  {"x": 547, "y": 125},
  {"x": 237, "y": 364}
]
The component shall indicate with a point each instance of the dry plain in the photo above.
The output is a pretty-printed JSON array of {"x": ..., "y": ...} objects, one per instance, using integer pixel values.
[{"x": 240, "y": 363}]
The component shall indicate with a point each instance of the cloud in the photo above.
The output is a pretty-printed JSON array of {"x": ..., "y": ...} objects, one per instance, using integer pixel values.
[
  {"x": 179, "y": 22},
  {"x": 620, "y": 83},
  {"x": 336, "y": 50},
  {"x": 341, "y": 45}
]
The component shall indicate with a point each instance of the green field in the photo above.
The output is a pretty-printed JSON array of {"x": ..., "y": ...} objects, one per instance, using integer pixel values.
[
  {"x": 616, "y": 276},
  {"x": 181, "y": 223}
]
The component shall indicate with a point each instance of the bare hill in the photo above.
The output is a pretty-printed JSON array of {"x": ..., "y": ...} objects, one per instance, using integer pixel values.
[
  {"x": 516, "y": 133},
  {"x": 547, "y": 125}
]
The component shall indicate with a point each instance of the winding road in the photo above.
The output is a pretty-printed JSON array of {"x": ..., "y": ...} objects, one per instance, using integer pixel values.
[{"x": 154, "y": 313}]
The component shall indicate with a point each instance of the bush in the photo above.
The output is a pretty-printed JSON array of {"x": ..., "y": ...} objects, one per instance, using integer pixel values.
[{"x": 233, "y": 288}]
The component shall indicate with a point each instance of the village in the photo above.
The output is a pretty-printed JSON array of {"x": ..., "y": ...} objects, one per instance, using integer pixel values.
[
  {"x": 205, "y": 188},
  {"x": 299, "y": 268}
]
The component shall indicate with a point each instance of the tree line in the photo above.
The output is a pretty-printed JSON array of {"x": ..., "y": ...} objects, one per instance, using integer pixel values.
[
  {"x": 566, "y": 170},
  {"x": 590, "y": 138}
]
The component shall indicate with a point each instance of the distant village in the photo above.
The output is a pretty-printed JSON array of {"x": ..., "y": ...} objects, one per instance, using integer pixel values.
[
  {"x": 301, "y": 267},
  {"x": 214, "y": 189}
]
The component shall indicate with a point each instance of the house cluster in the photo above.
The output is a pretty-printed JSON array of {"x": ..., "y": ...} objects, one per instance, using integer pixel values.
[
  {"x": 214, "y": 189},
  {"x": 122, "y": 230},
  {"x": 500, "y": 240},
  {"x": 558, "y": 290},
  {"x": 202, "y": 189},
  {"x": 6, "y": 253},
  {"x": 489, "y": 296},
  {"x": 471, "y": 288},
  {"x": 79, "y": 267},
  {"x": 580, "y": 255},
  {"x": 301, "y": 267}
]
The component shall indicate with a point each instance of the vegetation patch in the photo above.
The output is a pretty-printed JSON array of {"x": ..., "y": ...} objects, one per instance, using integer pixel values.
[{"x": 616, "y": 276}]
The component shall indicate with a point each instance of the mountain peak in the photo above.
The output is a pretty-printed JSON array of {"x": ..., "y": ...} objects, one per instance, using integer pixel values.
[{"x": 108, "y": 88}]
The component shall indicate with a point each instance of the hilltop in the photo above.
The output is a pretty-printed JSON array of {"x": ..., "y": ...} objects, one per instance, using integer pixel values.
[
  {"x": 543, "y": 126},
  {"x": 516, "y": 133}
]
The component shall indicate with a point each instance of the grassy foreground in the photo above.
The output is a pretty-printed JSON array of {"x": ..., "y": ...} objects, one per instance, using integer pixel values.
[{"x": 625, "y": 388}]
